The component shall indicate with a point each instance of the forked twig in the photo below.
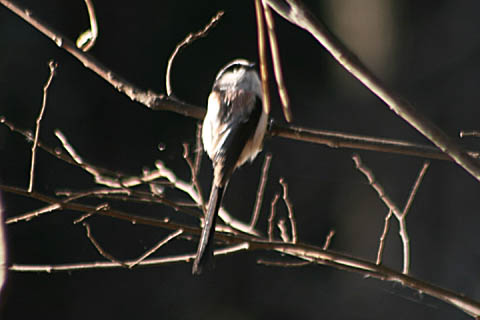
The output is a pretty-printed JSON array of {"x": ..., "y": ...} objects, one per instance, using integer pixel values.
[
  {"x": 160, "y": 244},
  {"x": 53, "y": 66},
  {"x": 399, "y": 215}
]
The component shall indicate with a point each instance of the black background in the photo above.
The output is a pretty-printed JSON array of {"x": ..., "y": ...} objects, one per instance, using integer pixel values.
[{"x": 427, "y": 51}]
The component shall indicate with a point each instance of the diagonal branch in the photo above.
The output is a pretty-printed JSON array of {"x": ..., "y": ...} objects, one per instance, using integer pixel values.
[
  {"x": 295, "y": 12},
  {"x": 53, "y": 66},
  {"x": 150, "y": 99}
]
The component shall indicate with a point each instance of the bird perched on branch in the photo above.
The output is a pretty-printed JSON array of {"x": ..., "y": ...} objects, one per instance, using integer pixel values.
[{"x": 233, "y": 132}]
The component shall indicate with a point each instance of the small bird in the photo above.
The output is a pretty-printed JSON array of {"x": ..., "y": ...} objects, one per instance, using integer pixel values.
[{"x": 233, "y": 131}]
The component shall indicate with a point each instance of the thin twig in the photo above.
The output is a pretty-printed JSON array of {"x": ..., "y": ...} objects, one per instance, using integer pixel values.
[
  {"x": 360, "y": 166},
  {"x": 283, "y": 231},
  {"x": 295, "y": 12},
  {"x": 3, "y": 250},
  {"x": 277, "y": 66},
  {"x": 283, "y": 263},
  {"x": 53, "y": 66},
  {"x": 97, "y": 246},
  {"x": 381, "y": 243},
  {"x": 87, "y": 39},
  {"x": 160, "y": 244},
  {"x": 193, "y": 173},
  {"x": 414, "y": 190},
  {"x": 98, "y": 174},
  {"x": 188, "y": 40},
  {"x": 262, "y": 53},
  {"x": 198, "y": 148},
  {"x": 102, "y": 207},
  {"x": 261, "y": 190},
  {"x": 402, "y": 221},
  {"x": 472, "y": 133},
  {"x": 328, "y": 240},
  {"x": 288, "y": 203},
  {"x": 271, "y": 217}
]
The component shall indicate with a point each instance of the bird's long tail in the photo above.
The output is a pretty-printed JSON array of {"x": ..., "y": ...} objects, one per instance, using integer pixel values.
[{"x": 205, "y": 246}]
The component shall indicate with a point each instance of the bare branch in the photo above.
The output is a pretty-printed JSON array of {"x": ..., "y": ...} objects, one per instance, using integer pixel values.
[
  {"x": 262, "y": 53},
  {"x": 271, "y": 218},
  {"x": 295, "y": 12},
  {"x": 87, "y": 39},
  {"x": 261, "y": 190},
  {"x": 472, "y": 133},
  {"x": 376, "y": 185},
  {"x": 381, "y": 243},
  {"x": 414, "y": 190},
  {"x": 97, "y": 246},
  {"x": 109, "y": 265},
  {"x": 198, "y": 148},
  {"x": 288, "y": 203},
  {"x": 102, "y": 207},
  {"x": 283, "y": 231},
  {"x": 160, "y": 244},
  {"x": 190, "y": 190},
  {"x": 3, "y": 250},
  {"x": 283, "y": 263},
  {"x": 334, "y": 139},
  {"x": 193, "y": 173},
  {"x": 391, "y": 206},
  {"x": 191, "y": 37},
  {"x": 53, "y": 66},
  {"x": 277, "y": 66},
  {"x": 328, "y": 239}
]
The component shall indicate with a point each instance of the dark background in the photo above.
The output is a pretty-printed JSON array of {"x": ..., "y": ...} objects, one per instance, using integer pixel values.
[{"x": 427, "y": 51}]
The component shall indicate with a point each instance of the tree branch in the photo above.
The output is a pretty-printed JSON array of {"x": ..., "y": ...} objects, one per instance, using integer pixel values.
[{"x": 295, "y": 12}]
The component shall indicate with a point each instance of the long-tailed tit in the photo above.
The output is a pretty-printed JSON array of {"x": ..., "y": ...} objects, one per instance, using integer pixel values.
[{"x": 233, "y": 131}]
